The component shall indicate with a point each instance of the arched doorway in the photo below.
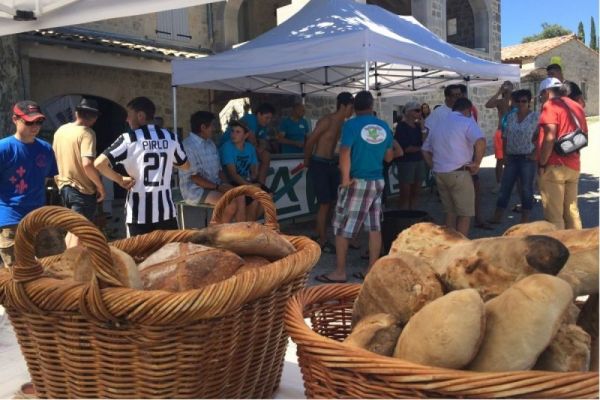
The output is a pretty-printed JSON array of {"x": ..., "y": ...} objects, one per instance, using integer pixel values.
[
  {"x": 467, "y": 24},
  {"x": 111, "y": 123}
]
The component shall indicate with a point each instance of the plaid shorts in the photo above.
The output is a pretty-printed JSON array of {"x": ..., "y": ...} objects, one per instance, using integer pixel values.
[{"x": 358, "y": 204}]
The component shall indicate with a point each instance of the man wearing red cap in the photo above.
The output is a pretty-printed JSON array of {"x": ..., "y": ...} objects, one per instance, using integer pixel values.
[{"x": 25, "y": 163}]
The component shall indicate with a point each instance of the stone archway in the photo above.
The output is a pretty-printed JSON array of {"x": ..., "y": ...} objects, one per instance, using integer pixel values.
[
  {"x": 400, "y": 7},
  {"x": 468, "y": 24}
]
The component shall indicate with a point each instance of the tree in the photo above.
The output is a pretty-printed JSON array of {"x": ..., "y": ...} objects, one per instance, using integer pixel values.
[
  {"x": 581, "y": 32},
  {"x": 593, "y": 40},
  {"x": 548, "y": 31}
]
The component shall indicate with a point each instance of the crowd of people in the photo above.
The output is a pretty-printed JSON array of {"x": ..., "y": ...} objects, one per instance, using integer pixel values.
[{"x": 446, "y": 141}]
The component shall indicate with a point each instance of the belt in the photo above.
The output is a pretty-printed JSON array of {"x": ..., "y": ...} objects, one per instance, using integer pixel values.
[{"x": 462, "y": 168}]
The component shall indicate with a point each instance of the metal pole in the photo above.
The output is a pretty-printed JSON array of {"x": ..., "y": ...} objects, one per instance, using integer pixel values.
[
  {"x": 175, "y": 109},
  {"x": 367, "y": 66}
]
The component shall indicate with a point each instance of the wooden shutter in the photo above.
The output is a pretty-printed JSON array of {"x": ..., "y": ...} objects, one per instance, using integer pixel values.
[
  {"x": 164, "y": 24},
  {"x": 181, "y": 29}
]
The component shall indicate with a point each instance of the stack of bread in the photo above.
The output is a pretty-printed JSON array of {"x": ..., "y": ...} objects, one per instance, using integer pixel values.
[
  {"x": 212, "y": 255},
  {"x": 497, "y": 304}
]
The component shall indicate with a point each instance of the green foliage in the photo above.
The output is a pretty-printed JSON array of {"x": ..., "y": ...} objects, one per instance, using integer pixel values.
[
  {"x": 581, "y": 32},
  {"x": 548, "y": 31},
  {"x": 593, "y": 39}
]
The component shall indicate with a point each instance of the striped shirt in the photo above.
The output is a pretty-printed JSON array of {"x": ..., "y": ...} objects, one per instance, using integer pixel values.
[
  {"x": 148, "y": 154},
  {"x": 204, "y": 161}
]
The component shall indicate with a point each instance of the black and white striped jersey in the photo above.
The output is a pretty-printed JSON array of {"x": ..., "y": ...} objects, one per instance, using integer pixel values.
[{"x": 148, "y": 155}]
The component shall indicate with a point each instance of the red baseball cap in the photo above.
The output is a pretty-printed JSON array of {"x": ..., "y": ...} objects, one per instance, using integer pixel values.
[{"x": 28, "y": 111}]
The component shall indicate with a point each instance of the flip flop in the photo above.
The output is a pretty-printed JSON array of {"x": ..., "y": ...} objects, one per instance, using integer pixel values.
[
  {"x": 359, "y": 275},
  {"x": 325, "y": 279}
]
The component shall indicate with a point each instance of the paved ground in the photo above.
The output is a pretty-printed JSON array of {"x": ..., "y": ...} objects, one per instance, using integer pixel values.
[{"x": 588, "y": 206}]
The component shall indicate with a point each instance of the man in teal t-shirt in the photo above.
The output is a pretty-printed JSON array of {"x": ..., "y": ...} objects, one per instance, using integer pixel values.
[
  {"x": 293, "y": 131},
  {"x": 366, "y": 142}
]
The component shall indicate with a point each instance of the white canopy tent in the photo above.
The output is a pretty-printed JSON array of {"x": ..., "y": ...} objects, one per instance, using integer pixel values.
[
  {"x": 331, "y": 46},
  {"x": 27, "y": 15}
]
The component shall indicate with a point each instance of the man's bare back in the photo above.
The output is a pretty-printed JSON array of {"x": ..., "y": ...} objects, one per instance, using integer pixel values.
[{"x": 323, "y": 140}]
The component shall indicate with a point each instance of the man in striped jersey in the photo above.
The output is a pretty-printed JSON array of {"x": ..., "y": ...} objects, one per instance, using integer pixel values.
[{"x": 148, "y": 153}]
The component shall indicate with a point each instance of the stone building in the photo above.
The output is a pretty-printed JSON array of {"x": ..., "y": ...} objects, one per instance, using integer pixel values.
[
  {"x": 579, "y": 64},
  {"x": 116, "y": 60}
]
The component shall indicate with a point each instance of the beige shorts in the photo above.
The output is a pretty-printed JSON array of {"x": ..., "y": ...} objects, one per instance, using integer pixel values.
[
  {"x": 7, "y": 245},
  {"x": 456, "y": 192}
]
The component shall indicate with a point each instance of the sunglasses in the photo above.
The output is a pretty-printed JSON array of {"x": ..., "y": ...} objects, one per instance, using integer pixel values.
[
  {"x": 39, "y": 122},
  {"x": 522, "y": 101}
]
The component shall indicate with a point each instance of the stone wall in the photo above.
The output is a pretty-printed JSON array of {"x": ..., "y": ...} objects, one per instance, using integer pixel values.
[
  {"x": 144, "y": 26},
  {"x": 53, "y": 78},
  {"x": 11, "y": 82}
]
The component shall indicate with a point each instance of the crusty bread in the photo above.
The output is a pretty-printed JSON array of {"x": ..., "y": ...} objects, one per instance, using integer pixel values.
[
  {"x": 521, "y": 322},
  {"x": 398, "y": 285},
  {"x": 445, "y": 333},
  {"x": 245, "y": 238},
  {"x": 252, "y": 262},
  {"x": 577, "y": 239},
  {"x": 377, "y": 333},
  {"x": 427, "y": 241},
  {"x": 184, "y": 266},
  {"x": 568, "y": 351},
  {"x": 531, "y": 228},
  {"x": 75, "y": 263},
  {"x": 492, "y": 265},
  {"x": 581, "y": 271}
]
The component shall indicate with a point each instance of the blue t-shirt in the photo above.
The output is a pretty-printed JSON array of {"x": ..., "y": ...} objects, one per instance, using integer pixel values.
[
  {"x": 368, "y": 138},
  {"x": 296, "y": 131},
  {"x": 24, "y": 168},
  {"x": 251, "y": 123},
  {"x": 242, "y": 159}
]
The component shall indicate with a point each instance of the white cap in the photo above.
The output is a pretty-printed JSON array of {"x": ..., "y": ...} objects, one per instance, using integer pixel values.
[
  {"x": 412, "y": 105},
  {"x": 549, "y": 83}
]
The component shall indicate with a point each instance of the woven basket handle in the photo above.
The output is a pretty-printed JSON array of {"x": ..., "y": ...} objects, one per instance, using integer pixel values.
[
  {"x": 256, "y": 193},
  {"x": 28, "y": 268}
]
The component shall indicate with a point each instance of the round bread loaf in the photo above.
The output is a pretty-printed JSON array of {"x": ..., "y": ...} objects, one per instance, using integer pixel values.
[
  {"x": 184, "y": 266},
  {"x": 530, "y": 228},
  {"x": 377, "y": 333},
  {"x": 398, "y": 285},
  {"x": 569, "y": 351},
  {"x": 445, "y": 333},
  {"x": 581, "y": 271},
  {"x": 521, "y": 322}
]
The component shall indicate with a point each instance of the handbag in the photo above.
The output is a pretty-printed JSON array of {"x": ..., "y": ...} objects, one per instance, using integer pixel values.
[{"x": 572, "y": 141}]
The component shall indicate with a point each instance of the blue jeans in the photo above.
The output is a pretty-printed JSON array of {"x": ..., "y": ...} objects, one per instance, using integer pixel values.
[
  {"x": 84, "y": 204},
  {"x": 517, "y": 166}
]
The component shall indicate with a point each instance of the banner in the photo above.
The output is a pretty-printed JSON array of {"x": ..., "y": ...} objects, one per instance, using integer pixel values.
[{"x": 293, "y": 193}]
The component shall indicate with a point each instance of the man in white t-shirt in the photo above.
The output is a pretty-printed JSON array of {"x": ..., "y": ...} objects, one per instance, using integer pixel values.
[
  {"x": 449, "y": 153},
  {"x": 148, "y": 154}
]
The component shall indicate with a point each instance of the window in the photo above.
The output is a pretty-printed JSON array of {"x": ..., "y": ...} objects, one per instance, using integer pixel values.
[
  {"x": 173, "y": 25},
  {"x": 451, "y": 29}
]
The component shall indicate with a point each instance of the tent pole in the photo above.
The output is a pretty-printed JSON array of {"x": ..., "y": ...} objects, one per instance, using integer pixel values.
[
  {"x": 175, "y": 109},
  {"x": 367, "y": 65}
]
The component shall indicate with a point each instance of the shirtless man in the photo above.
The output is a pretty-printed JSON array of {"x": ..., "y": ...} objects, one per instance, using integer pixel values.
[
  {"x": 501, "y": 102},
  {"x": 322, "y": 167}
]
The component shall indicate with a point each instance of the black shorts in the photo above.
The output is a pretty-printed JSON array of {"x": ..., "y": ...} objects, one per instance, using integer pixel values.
[
  {"x": 325, "y": 177},
  {"x": 84, "y": 204},
  {"x": 140, "y": 229}
]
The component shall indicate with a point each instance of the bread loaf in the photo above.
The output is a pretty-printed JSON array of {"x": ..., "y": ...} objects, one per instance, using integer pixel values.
[
  {"x": 245, "y": 238},
  {"x": 581, "y": 271},
  {"x": 492, "y": 265},
  {"x": 427, "y": 241},
  {"x": 577, "y": 239},
  {"x": 531, "y": 228},
  {"x": 252, "y": 262},
  {"x": 75, "y": 263},
  {"x": 568, "y": 351},
  {"x": 377, "y": 333},
  {"x": 398, "y": 285},
  {"x": 184, "y": 266},
  {"x": 445, "y": 333},
  {"x": 521, "y": 322}
]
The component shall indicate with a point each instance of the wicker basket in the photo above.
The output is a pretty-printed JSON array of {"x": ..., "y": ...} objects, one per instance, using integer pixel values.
[
  {"x": 333, "y": 370},
  {"x": 104, "y": 341}
]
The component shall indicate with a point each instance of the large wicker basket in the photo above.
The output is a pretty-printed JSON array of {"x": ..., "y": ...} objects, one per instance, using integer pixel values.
[
  {"x": 333, "y": 370},
  {"x": 104, "y": 341}
]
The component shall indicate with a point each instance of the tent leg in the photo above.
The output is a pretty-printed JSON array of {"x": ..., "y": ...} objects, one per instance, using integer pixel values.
[
  {"x": 175, "y": 109},
  {"x": 367, "y": 66}
]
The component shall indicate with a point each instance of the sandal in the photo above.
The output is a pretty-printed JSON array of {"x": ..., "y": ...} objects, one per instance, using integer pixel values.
[{"x": 323, "y": 278}]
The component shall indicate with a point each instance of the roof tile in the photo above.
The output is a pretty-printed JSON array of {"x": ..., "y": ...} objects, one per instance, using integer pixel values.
[{"x": 533, "y": 49}]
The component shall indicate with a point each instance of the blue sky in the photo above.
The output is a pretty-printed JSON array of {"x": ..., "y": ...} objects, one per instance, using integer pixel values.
[{"x": 524, "y": 17}]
